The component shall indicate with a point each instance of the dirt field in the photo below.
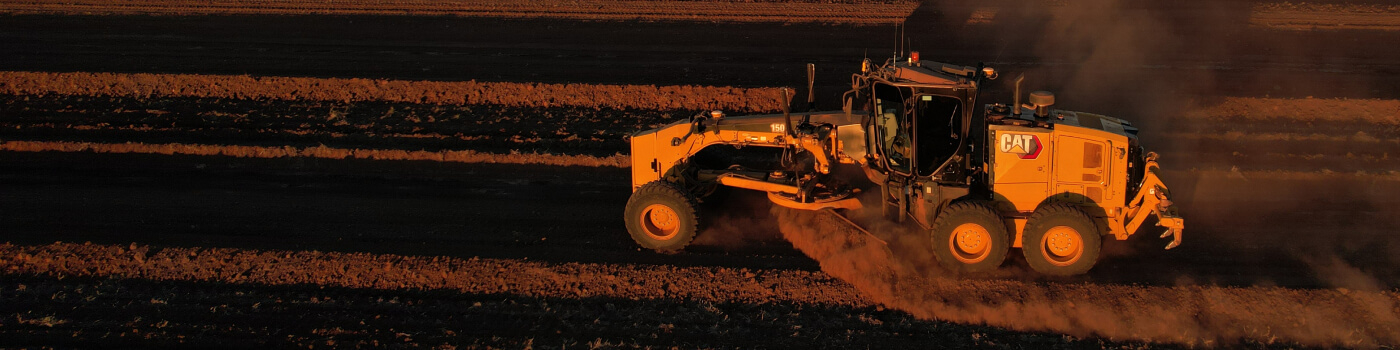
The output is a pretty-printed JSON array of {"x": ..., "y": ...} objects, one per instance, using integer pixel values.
[
  {"x": 451, "y": 175},
  {"x": 1325, "y": 16}
]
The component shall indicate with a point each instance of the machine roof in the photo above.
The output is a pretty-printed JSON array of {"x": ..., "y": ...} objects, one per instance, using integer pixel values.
[{"x": 931, "y": 73}]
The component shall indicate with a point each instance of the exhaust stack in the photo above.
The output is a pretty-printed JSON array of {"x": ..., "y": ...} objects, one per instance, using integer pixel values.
[
  {"x": 811, "y": 84},
  {"x": 1016, "y": 97}
]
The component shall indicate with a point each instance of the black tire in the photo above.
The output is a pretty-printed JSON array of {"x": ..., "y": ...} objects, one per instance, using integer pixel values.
[
  {"x": 970, "y": 237},
  {"x": 662, "y": 216},
  {"x": 1072, "y": 249}
]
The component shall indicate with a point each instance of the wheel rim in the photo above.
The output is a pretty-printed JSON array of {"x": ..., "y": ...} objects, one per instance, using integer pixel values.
[
  {"x": 970, "y": 243},
  {"x": 1062, "y": 246},
  {"x": 660, "y": 222}
]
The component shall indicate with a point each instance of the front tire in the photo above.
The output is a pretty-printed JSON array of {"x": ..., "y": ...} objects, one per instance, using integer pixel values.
[
  {"x": 1061, "y": 240},
  {"x": 662, "y": 216},
  {"x": 969, "y": 237}
]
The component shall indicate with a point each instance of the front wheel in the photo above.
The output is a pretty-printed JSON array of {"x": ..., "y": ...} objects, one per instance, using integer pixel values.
[
  {"x": 969, "y": 237},
  {"x": 1061, "y": 240},
  {"x": 662, "y": 216}
]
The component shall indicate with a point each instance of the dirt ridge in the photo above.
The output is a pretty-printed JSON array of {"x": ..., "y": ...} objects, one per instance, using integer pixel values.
[
  {"x": 239, "y": 151},
  {"x": 388, "y": 271},
  {"x": 143, "y": 85}
]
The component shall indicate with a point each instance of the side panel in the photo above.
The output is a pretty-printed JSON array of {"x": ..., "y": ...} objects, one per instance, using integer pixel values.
[
  {"x": 1021, "y": 166},
  {"x": 643, "y": 160}
]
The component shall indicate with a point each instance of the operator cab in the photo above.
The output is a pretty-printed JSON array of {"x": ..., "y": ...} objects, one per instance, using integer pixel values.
[{"x": 920, "y": 117}]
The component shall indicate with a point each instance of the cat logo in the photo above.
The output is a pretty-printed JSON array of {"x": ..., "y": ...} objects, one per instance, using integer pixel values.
[{"x": 1022, "y": 145}]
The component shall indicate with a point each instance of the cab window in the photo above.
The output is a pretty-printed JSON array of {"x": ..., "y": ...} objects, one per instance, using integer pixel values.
[{"x": 939, "y": 130}]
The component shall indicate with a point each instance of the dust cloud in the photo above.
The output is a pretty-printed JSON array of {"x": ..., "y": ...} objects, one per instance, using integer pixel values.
[
  {"x": 1109, "y": 56},
  {"x": 1188, "y": 315},
  {"x": 737, "y": 221}
]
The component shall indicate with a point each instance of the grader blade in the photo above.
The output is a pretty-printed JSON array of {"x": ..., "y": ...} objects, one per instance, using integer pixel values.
[{"x": 853, "y": 225}]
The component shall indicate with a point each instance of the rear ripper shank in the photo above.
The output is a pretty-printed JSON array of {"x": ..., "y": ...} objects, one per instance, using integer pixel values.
[{"x": 979, "y": 179}]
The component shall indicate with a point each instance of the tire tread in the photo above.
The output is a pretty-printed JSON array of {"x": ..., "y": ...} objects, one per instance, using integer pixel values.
[{"x": 666, "y": 189}]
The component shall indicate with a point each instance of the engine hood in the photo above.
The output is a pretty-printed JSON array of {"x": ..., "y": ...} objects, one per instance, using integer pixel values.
[{"x": 1095, "y": 122}]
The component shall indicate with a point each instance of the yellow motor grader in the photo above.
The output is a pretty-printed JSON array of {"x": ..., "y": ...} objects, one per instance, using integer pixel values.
[{"x": 979, "y": 179}]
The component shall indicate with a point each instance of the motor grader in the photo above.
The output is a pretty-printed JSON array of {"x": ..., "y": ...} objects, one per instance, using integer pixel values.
[{"x": 911, "y": 138}]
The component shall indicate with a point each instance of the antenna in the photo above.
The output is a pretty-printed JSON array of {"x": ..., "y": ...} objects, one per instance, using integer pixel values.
[
  {"x": 811, "y": 87},
  {"x": 896, "y": 38},
  {"x": 902, "y": 37},
  {"x": 908, "y": 44}
]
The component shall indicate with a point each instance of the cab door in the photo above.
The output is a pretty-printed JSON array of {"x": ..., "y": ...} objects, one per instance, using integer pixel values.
[
  {"x": 939, "y": 134},
  {"x": 891, "y": 142}
]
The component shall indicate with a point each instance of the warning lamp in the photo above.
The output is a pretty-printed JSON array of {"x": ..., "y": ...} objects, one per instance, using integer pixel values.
[
  {"x": 865, "y": 66},
  {"x": 990, "y": 73},
  {"x": 914, "y": 58}
]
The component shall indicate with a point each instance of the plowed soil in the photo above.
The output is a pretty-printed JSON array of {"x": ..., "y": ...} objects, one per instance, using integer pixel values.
[
  {"x": 289, "y": 174},
  {"x": 1223, "y": 164},
  {"x": 1326, "y": 16}
]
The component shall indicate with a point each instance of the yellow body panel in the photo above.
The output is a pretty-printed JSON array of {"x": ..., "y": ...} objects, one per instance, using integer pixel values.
[
  {"x": 1080, "y": 165},
  {"x": 1068, "y": 163},
  {"x": 644, "y": 168},
  {"x": 1021, "y": 167}
]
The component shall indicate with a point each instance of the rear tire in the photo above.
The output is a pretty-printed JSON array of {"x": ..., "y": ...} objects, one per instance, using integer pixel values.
[
  {"x": 662, "y": 216},
  {"x": 970, "y": 237},
  {"x": 1061, "y": 240}
]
